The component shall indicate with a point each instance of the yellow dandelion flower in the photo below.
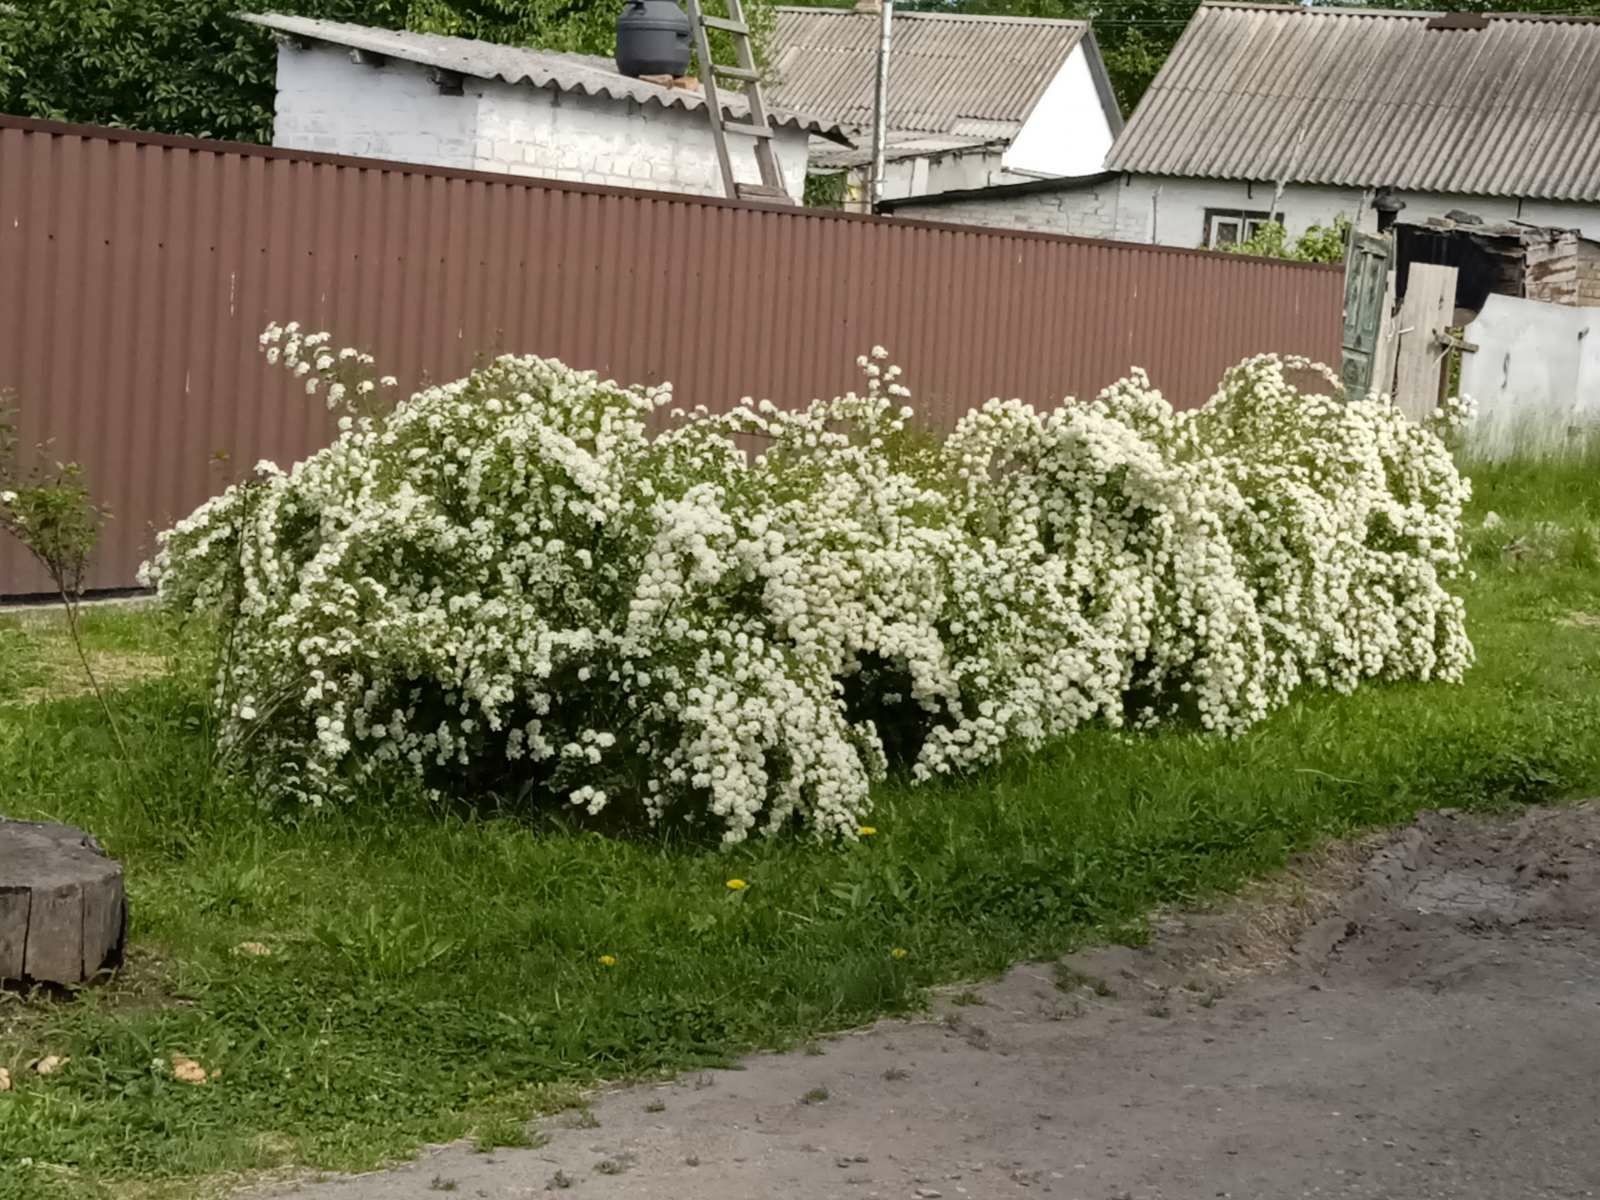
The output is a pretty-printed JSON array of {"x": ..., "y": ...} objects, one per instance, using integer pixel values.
[
  {"x": 867, "y": 831},
  {"x": 608, "y": 960},
  {"x": 899, "y": 952},
  {"x": 737, "y": 885}
]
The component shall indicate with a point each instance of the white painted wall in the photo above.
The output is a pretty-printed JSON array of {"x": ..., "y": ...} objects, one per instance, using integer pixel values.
[
  {"x": 1067, "y": 133},
  {"x": 1084, "y": 211},
  {"x": 1171, "y": 211},
  {"x": 929, "y": 174},
  {"x": 1535, "y": 376},
  {"x": 328, "y": 103}
]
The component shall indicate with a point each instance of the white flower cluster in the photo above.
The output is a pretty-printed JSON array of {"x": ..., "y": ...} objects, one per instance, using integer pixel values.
[
  {"x": 511, "y": 583},
  {"x": 345, "y": 377}
]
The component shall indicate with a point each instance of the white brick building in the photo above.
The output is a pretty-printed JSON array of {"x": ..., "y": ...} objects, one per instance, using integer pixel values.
[
  {"x": 974, "y": 99},
  {"x": 453, "y": 102},
  {"x": 1277, "y": 113},
  {"x": 1302, "y": 115}
]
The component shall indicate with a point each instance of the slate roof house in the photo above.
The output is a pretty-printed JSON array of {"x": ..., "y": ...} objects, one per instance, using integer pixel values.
[
  {"x": 456, "y": 102},
  {"x": 973, "y": 100},
  {"x": 1300, "y": 114}
]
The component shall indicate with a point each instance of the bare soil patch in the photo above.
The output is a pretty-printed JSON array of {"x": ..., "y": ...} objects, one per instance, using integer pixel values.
[{"x": 1416, "y": 1015}]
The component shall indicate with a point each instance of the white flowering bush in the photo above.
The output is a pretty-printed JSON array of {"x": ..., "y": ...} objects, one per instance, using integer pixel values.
[{"x": 515, "y": 583}]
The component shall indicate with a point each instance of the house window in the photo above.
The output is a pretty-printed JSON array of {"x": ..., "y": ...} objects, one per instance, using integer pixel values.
[{"x": 1229, "y": 227}]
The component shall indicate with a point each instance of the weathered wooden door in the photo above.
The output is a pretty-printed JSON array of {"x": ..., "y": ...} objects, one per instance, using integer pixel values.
[{"x": 1366, "y": 277}]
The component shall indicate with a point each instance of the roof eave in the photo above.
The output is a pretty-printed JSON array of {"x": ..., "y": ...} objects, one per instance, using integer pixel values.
[{"x": 667, "y": 98}]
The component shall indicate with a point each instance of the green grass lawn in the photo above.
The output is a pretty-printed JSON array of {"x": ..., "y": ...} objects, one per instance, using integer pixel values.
[{"x": 439, "y": 973}]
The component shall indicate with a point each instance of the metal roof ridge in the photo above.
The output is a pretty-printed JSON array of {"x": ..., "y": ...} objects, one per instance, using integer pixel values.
[
  {"x": 966, "y": 18},
  {"x": 1340, "y": 10},
  {"x": 590, "y": 78}
]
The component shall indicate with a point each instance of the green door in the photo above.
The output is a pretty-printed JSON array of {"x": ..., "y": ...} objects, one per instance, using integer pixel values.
[{"x": 1366, "y": 282}]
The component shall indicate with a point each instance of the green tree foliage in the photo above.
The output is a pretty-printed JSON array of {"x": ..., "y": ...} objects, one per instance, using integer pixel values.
[{"x": 190, "y": 67}]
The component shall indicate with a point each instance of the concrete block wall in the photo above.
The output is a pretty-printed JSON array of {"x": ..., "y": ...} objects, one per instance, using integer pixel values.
[
  {"x": 327, "y": 102},
  {"x": 1083, "y": 212}
]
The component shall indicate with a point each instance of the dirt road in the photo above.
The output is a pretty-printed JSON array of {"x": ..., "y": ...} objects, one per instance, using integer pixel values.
[{"x": 1418, "y": 1018}]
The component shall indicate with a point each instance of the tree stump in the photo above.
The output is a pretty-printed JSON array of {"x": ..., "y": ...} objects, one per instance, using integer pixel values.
[{"x": 63, "y": 916}]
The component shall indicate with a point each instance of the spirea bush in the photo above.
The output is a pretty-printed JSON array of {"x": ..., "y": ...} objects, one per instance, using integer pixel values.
[{"x": 515, "y": 583}]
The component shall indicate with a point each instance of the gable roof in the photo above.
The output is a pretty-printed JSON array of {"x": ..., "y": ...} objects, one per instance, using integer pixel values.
[
  {"x": 962, "y": 76},
  {"x": 585, "y": 74},
  {"x": 1502, "y": 104}
]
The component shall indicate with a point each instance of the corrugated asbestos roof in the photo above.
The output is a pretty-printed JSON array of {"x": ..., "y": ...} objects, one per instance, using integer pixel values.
[
  {"x": 964, "y": 76},
  {"x": 902, "y": 143},
  {"x": 1371, "y": 98},
  {"x": 582, "y": 73},
  {"x": 1000, "y": 191}
]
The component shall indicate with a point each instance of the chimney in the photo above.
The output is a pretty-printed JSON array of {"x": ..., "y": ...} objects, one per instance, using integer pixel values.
[{"x": 871, "y": 7}]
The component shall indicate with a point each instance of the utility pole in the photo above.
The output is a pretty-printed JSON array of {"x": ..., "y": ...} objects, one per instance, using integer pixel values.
[{"x": 880, "y": 107}]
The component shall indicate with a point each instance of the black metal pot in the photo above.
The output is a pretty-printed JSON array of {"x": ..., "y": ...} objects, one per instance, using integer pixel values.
[{"x": 652, "y": 38}]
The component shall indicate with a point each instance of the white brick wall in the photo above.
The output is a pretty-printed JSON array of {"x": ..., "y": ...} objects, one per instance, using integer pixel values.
[
  {"x": 326, "y": 102},
  {"x": 564, "y": 135},
  {"x": 1083, "y": 212}
]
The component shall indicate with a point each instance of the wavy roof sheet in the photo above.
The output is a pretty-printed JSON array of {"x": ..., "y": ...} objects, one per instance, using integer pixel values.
[
  {"x": 963, "y": 76},
  {"x": 582, "y": 73},
  {"x": 1372, "y": 98}
]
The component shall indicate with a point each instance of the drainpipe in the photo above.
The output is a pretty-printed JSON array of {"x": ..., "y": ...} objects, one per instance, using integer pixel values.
[{"x": 880, "y": 105}]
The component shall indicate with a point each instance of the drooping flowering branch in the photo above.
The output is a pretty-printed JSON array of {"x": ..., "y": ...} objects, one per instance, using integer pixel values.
[{"x": 509, "y": 582}]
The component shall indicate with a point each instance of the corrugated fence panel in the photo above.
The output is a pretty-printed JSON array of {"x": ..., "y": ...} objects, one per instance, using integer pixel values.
[{"x": 136, "y": 272}]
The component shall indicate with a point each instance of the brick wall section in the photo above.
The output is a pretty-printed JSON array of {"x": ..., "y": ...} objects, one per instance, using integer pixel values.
[
  {"x": 1085, "y": 212},
  {"x": 594, "y": 139},
  {"x": 328, "y": 103},
  {"x": 1589, "y": 274}
]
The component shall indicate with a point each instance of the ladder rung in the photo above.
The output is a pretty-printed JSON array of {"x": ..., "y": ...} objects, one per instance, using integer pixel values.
[
  {"x": 758, "y": 131},
  {"x": 756, "y": 191},
  {"x": 738, "y": 27},
  {"x": 736, "y": 73}
]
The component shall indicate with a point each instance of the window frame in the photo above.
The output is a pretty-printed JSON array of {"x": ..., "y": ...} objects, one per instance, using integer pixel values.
[{"x": 1246, "y": 222}]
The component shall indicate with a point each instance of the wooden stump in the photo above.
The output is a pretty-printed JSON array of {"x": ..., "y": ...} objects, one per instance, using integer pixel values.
[{"x": 63, "y": 915}]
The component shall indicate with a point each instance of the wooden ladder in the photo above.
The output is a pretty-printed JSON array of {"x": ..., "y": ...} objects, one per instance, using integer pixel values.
[{"x": 748, "y": 78}]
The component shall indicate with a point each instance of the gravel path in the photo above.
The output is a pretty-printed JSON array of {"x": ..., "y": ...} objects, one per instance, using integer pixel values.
[{"x": 1418, "y": 1017}]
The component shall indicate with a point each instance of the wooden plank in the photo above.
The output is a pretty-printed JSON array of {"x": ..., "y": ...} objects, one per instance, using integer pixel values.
[
  {"x": 1383, "y": 357},
  {"x": 736, "y": 27},
  {"x": 756, "y": 191},
  {"x": 1428, "y": 309}
]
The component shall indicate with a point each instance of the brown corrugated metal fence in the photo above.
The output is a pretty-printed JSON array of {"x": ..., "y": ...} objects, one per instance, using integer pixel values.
[{"x": 136, "y": 272}]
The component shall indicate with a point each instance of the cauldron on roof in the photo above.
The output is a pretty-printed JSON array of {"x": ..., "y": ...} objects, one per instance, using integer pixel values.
[{"x": 652, "y": 38}]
